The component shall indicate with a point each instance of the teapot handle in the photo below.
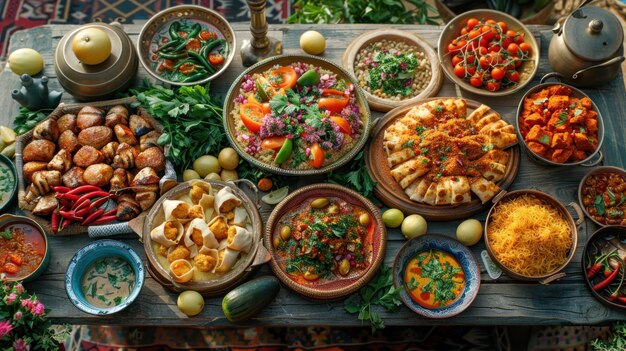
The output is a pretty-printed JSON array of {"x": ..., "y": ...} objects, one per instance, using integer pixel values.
[{"x": 608, "y": 63}]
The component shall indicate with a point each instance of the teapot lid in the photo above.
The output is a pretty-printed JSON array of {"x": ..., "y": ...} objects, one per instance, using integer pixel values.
[{"x": 593, "y": 34}]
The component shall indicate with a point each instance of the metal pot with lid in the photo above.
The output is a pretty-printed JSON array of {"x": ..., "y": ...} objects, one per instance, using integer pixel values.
[
  {"x": 99, "y": 81},
  {"x": 587, "y": 47}
]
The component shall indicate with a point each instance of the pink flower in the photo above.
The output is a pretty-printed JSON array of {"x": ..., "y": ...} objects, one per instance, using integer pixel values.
[
  {"x": 11, "y": 298},
  {"x": 21, "y": 345},
  {"x": 19, "y": 288},
  {"x": 38, "y": 309},
  {"x": 27, "y": 303},
  {"x": 5, "y": 328},
  {"x": 18, "y": 315}
]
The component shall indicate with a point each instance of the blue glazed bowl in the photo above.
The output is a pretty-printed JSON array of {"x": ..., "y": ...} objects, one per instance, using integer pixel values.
[
  {"x": 443, "y": 243},
  {"x": 85, "y": 257}
]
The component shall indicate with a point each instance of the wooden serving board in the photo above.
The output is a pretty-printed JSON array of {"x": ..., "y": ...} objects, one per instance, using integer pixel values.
[
  {"x": 362, "y": 41},
  {"x": 392, "y": 195}
]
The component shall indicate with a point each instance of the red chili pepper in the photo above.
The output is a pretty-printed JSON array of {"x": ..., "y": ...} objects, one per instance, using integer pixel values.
[
  {"x": 54, "y": 222},
  {"x": 593, "y": 270},
  {"x": 91, "y": 195},
  {"x": 70, "y": 215},
  {"x": 622, "y": 299},
  {"x": 608, "y": 280},
  {"x": 110, "y": 212},
  {"x": 80, "y": 205},
  {"x": 99, "y": 202},
  {"x": 60, "y": 189},
  {"x": 66, "y": 196},
  {"x": 92, "y": 217},
  {"x": 82, "y": 212},
  {"x": 66, "y": 223},
  {"x": 103, "y": 219},
  {"x": 83, "y": 189}
]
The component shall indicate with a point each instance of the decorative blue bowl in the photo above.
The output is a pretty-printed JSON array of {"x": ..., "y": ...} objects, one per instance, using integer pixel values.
[
  {"x": 443, "y": 243},
  {"x": 85, "y": 257}
]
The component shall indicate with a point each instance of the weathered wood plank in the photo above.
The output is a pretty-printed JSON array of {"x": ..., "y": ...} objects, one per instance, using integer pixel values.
[{"x": 503, "y": 301}]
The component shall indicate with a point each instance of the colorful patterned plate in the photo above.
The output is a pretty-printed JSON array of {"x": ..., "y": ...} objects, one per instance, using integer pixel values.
[{"x": 462, "y": 254}]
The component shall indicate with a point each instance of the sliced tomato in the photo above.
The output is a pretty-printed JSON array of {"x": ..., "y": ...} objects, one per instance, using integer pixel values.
[
  {"x": 252, "y": 116},
  {"x": 273, "y": 143},
  {"x": 15, "y": 258},
  {"x": 333, "y": 100},
  {"x": 183, "y": 35},
  {"x": 343, "y": 124},
  {"x": 216, "y": 59},
  {"x": 10, "y": 268},
  {"x": 166, "y": 65},
  {"x": 283, "y": 77},
  {"x": 187, "y": 68},
  {"x": 193, "y": 44},
  {"x": 318, "y": 155},
  {"x": 206, "y": 35}
]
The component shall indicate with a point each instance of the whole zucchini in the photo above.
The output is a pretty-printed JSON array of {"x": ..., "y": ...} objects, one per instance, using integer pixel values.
[{"x": 248, "y": 299}]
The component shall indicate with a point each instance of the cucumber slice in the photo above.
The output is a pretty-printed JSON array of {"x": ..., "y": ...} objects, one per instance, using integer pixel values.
[{"x": 309, "y": 78}]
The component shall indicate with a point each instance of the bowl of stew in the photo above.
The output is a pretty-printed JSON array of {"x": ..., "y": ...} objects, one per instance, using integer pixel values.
[
  {"x": 440, "y": 276},
  {"x": 24, "y": 253},
  {"x": 8, "y": 182},
  {"x": 104, "y": 277},
  {"x": 602, "y": 195},
  {"x": 186, "y": 45}
]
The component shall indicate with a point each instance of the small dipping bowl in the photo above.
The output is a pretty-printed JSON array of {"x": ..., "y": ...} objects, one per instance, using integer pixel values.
[
  {"x": 33, "y": 231},
  {"x": 85, "y": 258}
]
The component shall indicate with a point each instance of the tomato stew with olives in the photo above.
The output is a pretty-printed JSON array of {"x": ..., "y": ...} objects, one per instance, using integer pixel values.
[
  {"x": 22, "y": 249},
  {"x": 604, "y": 198}
]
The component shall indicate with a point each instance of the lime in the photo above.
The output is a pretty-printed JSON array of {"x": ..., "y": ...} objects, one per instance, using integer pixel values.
[
  {"x": 260, "y": 91},
  {"x": 393, "y": 218},
  {"x": 309, "y": 78},
  {"x": 469, "y": 232},
  {"x": 190, "y": 302},
  {"x": 276, "y": 196},
  {"x": 413, "y": 226},
  {"x": 284, "y": 152},
  {"x": 7, "y": 134}
]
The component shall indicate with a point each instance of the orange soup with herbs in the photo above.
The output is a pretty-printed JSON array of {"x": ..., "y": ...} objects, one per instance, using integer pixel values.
[
  {"x": 22, "y": 248},
  {"x": 434, "y": 279}
]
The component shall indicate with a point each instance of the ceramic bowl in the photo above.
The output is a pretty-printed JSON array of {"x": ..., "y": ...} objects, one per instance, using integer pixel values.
[
  {"x": 453, "y": 29},
  {"x": 336, "y": 287},
  {"x": 7, "y": 221},
  {"x": 596, "y": 171},
  {"x": 283, "y": 60},
  {"x": 85, "y": 257},
  {"x": 9, "y": 183},
  {"x": 205, "y": 16},
  {"x": 602, "y": 241},
  {"x": 463, "y": 256}
]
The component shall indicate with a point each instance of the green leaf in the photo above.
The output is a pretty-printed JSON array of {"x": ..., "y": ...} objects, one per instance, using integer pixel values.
[
  {"x": 6, "y": 234},
  {"x": 599, "y": 204}
]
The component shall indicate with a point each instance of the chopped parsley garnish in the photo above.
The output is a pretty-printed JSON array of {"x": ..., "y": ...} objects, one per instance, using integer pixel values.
[
  {"x": 544, "y": 139},
  {"x": 393, "y": 74},
  {"x": 439, "y": 109},
  {"x": 408, "y": 144},
  {"x": 420, "y": 129},
  {"x": 562, "y": 119}
]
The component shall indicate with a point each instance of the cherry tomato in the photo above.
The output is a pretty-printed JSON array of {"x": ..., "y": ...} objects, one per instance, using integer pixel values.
[
  {"x": 463, "y": 30},
  {"x": 519, "y": 38},
  {"x": 513, "y": 49},
  {"x": 484, "y": 42},
  {"x": 473, "y": 34},
  {"x": 167, "y": 65},
  {"x": 317, "y": 156},
  {"x": 206, "y": 35},
  {"x": 493, "y": 85},
  {"x": 471, "y": 69},
  {"x": 216, "y": 59},
  {"x": 252, "y": 116},
  {"x": 459, "y": 70},
  {"x": 273, "y": 143},
  {"x": 490, "y": 21},
  {"x": 517, "y": 63},
  {"x": 470, "y": 59},
  {"x": 487, "y": 33},
  {"x": 183, "y": 35},
  {"x": 456, "y": 59},
  {"x": 477, "y": 80},
  {"x": 343, "y": 124},
  {"x": 484, "y": 62},
  {"x": 187, "y": 68},
  {"x": 283, "y": 77},
  {"x": 494, "y": 48},
  {"x": 193, "y": 44},
  {"x": 497, "y": 73},
  {"x": 503, "y": 26},
  {"x": 511, "y": 34},
  {"x": 333, "y": 100},
  {"x": 526, "y": 48},
  {"x": 472, "y": 22},
  {"x": 513, "y": 76},
  {"x": 482, "y": 51}
]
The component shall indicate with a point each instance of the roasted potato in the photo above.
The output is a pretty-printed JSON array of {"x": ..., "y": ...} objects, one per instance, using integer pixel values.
[
  {"x": 31, "y": 167},
  {"x": 97, "y": 136},
  {"x": 87, "y": 156},
  {"x": 139, "y": 125},
  {"x": 109, "y": 151},
  {"x": 89, "y": 116},
  {"x": 99, "y": 174},
  {"x": 68, "y": 141},
  {"x": 48, "y": 129},
  {"x": 152, "y": 157},
  {"x": 67, "y": 122},
  {"x": 74, "y": 178},
  {"x": 39, "y": 150},
  {"x": 146, "y": 176},
  {"x": 125, "y": 135},
  {"x": 61, "y": 162},
  {"x": 116, "y": 115}
]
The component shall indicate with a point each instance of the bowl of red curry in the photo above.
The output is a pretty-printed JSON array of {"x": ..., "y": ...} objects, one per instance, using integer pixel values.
[
  {"x": 602, "y": 195},
  {"x": 24, "y": 253}
]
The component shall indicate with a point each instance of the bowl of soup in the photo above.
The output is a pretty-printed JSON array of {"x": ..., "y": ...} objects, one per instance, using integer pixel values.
[
  {"x": 104, "y": 277},
  {"x": 8, "y": 182},
  {"x": 24, "y": 251},
  {"x": 440, "y": 276}
]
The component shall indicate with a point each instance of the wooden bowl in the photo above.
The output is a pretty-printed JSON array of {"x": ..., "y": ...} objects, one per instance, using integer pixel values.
[
  {"x": 256, "y": 256},
  {"x": 461, "y": 253},
  {"x": 200, "y": 14},
  {"x": 602, "y": 241},
  {"x": 334, "y": 288},
  {"x": 229, "y": 123},
  {"x": 549, "y": 200},
  {"x": 391, "y": 194},
  {"x": 453, "y": 29},
  {"x": 596, "y": 171},
  {"x": 378, "y": 103}
]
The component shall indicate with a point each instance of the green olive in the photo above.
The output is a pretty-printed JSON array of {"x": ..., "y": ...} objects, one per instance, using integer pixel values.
[
  {"x": 285, "y": 232},
  {"x": 344, "y": 267},
  {"x": 276, "y": 241},
  {"x": 320, "y": 202},
  {"x": 393, "y": 218},
  {"x": 228, "y": 158},
  {"x": 206, "y": 164},
  {"x": 311, "y": 276},
  {"x": 227, "y": 175},
  {"x": 364, "y": 219}
]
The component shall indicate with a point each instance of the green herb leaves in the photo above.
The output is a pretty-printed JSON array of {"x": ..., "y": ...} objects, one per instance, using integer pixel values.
[
  {"x": 356, "y": 178},
  {"x": 6, "y": 234},
  {"x": 27, "y": 119},
  {"x": 380, "y": 291}
]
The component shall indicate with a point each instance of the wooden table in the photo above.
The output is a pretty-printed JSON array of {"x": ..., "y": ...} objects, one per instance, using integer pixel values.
[{"x": 504, "y": 301}]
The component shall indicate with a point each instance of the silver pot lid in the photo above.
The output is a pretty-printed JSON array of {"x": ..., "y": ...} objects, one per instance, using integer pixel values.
[{"x": 593, "y": 34}]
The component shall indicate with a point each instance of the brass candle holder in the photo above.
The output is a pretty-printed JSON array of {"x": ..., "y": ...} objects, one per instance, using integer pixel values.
[{"x": 261, "y": 46}]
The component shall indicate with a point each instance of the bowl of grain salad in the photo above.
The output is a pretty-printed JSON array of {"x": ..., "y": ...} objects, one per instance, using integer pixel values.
[
  {"x": 296, "y": 115},
  {"x": 393, "y": 67}
]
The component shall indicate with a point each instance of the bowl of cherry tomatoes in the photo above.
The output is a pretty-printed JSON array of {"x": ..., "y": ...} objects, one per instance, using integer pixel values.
[{"x": 488, "y": 52}]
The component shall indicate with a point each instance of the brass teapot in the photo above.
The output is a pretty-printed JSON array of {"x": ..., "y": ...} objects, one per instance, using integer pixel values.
[{"x": 587, "y": 47}]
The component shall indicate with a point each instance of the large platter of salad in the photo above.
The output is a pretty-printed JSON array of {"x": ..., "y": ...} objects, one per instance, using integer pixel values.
[{"x": 296, "y": 115}]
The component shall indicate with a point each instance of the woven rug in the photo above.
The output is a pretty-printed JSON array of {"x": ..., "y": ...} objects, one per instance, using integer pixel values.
[{"x": 23, "y": 14}]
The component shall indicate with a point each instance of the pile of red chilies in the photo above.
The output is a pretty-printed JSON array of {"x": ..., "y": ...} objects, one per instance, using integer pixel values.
[
  {"x": 84, "y": 205},
  {"x": 610, "y": 271}
]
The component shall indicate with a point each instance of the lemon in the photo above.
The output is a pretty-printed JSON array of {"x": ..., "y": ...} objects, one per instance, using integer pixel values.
[
  {"x": 190, "y": 302},
  {"x": 190, "y": 174},
  {"x": 469, "y": 232},
  {"x": 25, "y": 61},
  {"x": 393, "y": 218},
  {"x": 7, "y": 134},
  {"x": 414, "y": 226},
  {"x": 213, "y": 176},
  {"x": 227, "y": 175},
  {"x": 206, "y": 164},
  {"x": 276, "y": 196},
  {"x": 312, "y": 42},
  {"x": 91, "y": 46}
]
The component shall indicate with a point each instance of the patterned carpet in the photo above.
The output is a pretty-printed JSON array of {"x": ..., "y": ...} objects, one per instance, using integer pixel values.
[{"x": 22, "y": 14}]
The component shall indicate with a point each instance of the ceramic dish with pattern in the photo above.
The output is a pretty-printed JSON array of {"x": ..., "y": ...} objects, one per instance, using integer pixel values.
[
  {"x": 440, "y": 276},
  {"x": 8, "y": 182}
]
